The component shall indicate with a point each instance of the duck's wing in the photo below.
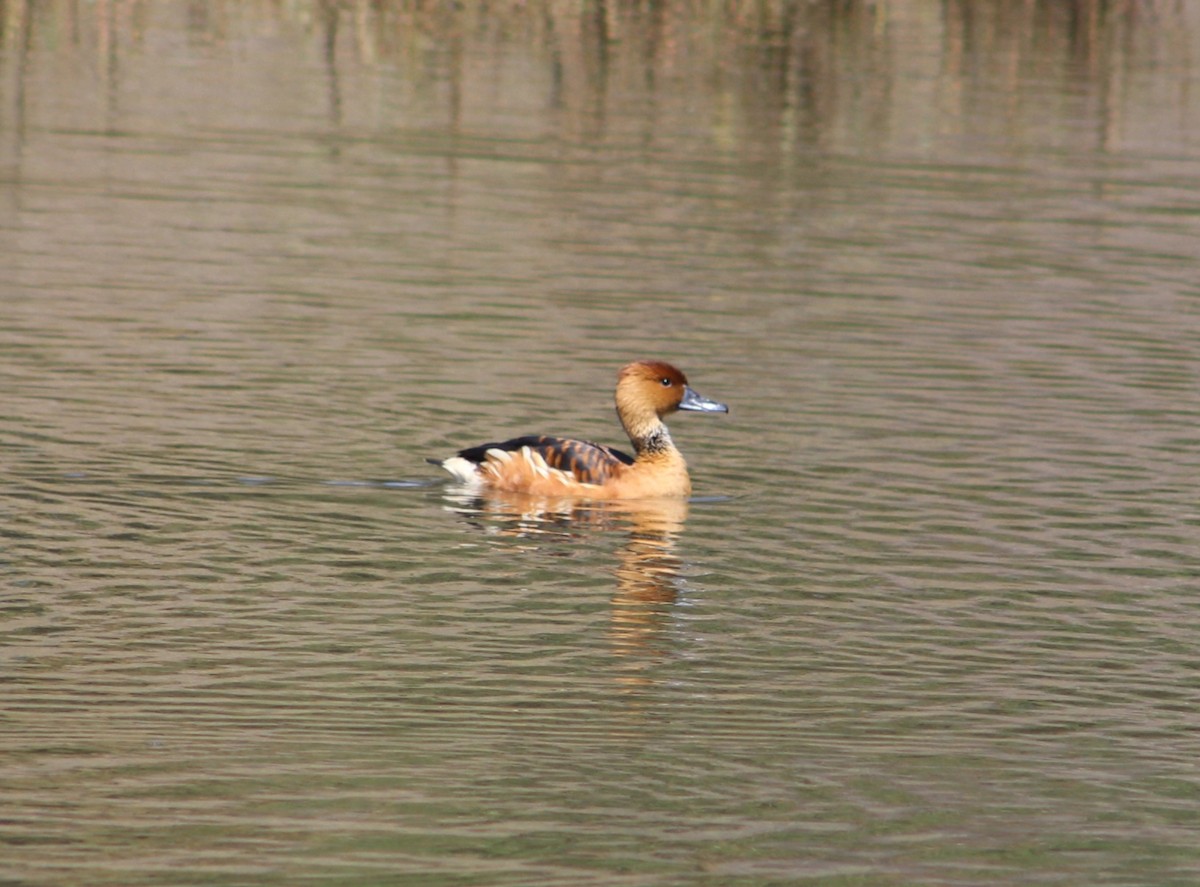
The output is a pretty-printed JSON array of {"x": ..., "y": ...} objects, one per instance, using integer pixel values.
[{"x": 586, "y": 462}]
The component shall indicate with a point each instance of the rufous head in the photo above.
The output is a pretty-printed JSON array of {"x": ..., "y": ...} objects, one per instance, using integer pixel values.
[{"x": 653, "y": 385}]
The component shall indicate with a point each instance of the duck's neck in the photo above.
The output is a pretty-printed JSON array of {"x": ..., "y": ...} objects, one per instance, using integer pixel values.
[
  {"x": 649, "y": 436},
  {"x": 658, "y": 469}
]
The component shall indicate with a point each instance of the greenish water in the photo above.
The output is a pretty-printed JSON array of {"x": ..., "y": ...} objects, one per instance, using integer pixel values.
[{"x": 931, "y": 618}]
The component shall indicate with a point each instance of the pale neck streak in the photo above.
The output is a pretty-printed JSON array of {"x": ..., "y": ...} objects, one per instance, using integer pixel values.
[{"x": 649, "y": 436}]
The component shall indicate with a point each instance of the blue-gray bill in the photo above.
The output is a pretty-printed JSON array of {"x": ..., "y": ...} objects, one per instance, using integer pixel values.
[{"x": 699, "y": 403}]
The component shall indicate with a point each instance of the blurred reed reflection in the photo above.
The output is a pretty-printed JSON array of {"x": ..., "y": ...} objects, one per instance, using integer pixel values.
[
  {"x": 803, "y": 69},
  {"x": 762, "y": 77},
  {"x": 647, "y": 568}
]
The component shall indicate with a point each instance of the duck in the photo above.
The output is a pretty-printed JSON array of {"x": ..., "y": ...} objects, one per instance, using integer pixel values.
[{"x": 647, "y": 391}]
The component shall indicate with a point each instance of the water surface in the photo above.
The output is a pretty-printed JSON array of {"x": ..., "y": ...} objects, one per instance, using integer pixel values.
[{"x": 931, "y": 617}]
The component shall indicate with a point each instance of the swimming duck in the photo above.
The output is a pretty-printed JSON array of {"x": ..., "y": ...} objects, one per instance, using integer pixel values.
[{"x": 647, "y": 390}]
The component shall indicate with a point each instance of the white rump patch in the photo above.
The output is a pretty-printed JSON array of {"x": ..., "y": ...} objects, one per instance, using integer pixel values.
[{"x": 464, "y": 471}]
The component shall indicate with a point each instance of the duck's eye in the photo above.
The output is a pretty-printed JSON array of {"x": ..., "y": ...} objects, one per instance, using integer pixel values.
[{"x": 666, "y": 383}]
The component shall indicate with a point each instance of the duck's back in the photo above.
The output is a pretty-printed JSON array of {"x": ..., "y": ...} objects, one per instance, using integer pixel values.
[{"x": 515, "y": 463}]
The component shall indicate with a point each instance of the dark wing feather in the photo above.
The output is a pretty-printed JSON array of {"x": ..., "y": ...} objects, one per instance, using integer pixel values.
[{"x": 590, "y": 463}]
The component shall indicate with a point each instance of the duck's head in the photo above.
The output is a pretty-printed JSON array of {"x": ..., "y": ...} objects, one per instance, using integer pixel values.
[{"x": 652, "y": 386}]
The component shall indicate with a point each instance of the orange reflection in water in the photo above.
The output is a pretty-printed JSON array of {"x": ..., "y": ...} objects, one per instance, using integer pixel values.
[{"x": 647, "y": 569}]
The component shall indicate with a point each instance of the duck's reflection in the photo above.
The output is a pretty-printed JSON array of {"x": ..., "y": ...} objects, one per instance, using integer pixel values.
[{"x": 648, "y": 570}]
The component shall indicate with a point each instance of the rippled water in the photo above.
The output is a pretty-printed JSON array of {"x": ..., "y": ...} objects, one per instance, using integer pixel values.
[{"x": 931, "y": 617}]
